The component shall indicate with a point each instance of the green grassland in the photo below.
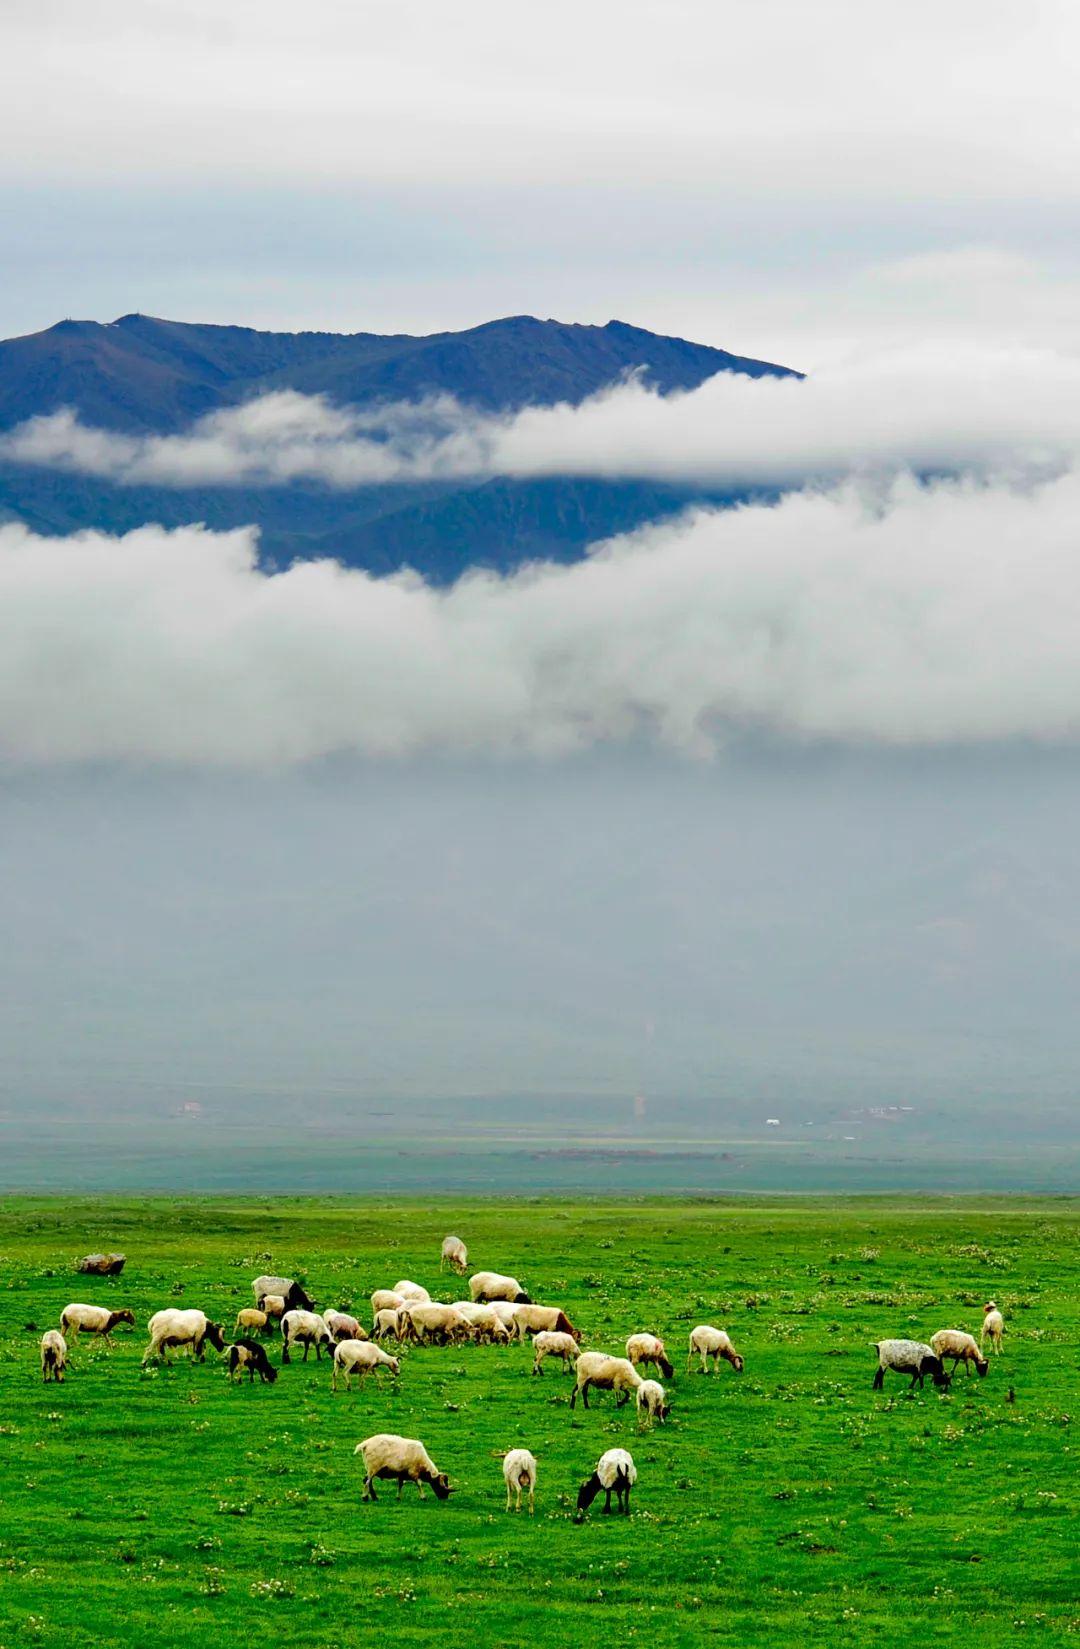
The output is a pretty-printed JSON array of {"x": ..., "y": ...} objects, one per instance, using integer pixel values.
[{"x": 791, "y": 1503}]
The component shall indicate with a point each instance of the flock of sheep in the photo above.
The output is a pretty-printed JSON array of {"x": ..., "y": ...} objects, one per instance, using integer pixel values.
[{"x": 498, "y": 1310}]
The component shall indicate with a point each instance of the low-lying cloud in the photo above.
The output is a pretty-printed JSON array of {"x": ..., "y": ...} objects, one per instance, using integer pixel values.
[
  {"x": 1015, "y": 411},
  {"x": 906, "y": 614}
]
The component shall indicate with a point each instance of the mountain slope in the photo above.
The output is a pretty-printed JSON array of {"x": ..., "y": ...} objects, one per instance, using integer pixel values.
[{"x": 140, "y": 374}]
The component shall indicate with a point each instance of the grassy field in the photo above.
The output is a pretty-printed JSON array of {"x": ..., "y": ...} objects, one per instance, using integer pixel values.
[{"x": 789, "y": 1503}]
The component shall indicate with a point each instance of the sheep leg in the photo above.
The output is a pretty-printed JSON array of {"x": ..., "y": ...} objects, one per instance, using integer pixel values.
[
  {"x": 879, "y": 1379},
  {"x": 369, "y": 1489},
  {"x": 532, "y": 1500}
]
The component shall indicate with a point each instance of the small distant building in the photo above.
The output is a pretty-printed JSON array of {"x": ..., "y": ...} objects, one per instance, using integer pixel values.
[{"x": 772, "y": 1122}]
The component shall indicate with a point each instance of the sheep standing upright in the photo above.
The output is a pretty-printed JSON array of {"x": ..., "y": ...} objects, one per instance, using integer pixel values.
[
  {"x": 93, "y": 1319},
  {"x": 53, "y": 1356},
  {"x": 615, "y": 1473},
  {"x": 519, "y": 1473},
  {"x": 993, "y": 1326}
]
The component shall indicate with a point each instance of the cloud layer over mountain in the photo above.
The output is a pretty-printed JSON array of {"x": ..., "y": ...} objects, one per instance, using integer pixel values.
[{"x": 898, "y": 614}]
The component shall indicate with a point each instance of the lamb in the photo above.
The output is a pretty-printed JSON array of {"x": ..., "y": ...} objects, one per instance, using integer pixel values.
[
  {"x": 961, "y": 1347},
  {"x": 360, "y": 1357},
  {"x": 909, "y": 1357},
  {"x": 519, "y": 1472},
  {"x": 993, "y": 1325},
  {"x": 386, "y": 1322},
  {"x": 431, "y": 1320},
  {"x": 274, "y": 1306},
  {"x": 606, "y": 1374},
  {"x": 342, "y": 1326},
  {"x": 172, "y": 1327},
  {"x": 549, "y": 1344},
  {"x": 652, "y": 1403},
  {"x": 454, "y": 1254},
  {"x": 291, "y": 1292},
  {"x": 53, "y": 1356},
  {"x": 644, "y": 1349},
  {"x": 483, "y": 1321},
  {"x": 387, "y": 1455},
  {"x": 490, "y": 1285},
  {"x": 303, "y": 1328},
  {"x": 250, "y": 1355},
  {"x": 615, "y": 1471},
  {"x": 94, "y": 1319},
  {"x": 411, "y": 1291},
  {"x": 714, "y": 1343},
  {"x": 530, "y": 1319},
  {"x": 248, "y": 1318},
  {"x": 385, "y": 1299}
]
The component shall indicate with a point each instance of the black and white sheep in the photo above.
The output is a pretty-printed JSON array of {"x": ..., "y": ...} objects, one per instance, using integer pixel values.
[
  {"x": 616, "y": 1474},
  {"x": 250, "y": 1355},
  {"x": 908, "y": 1357},
  {"x": 304, "y": 1328},
  {"x": 403, "y": 1458},
  {"x": 295, "y": 1296}
]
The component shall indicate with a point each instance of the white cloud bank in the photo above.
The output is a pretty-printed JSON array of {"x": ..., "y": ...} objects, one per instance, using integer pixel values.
[
  {"x": 1014, "y": 410},
  {"x": 901, "y": 615}
]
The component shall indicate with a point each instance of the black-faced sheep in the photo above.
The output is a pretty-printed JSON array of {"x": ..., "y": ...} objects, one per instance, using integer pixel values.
[
  {"x": 250, "y": 1355},
  {"x": 303, "y": 1328},
  {"x": 961, "y": 1347},
  {"x": 908, "y": 1357},
  {"x": 171, "y": 1328},
  {"x": 643, "y": 1349},
  {"x": 606, "y": 1374},
  {"x": 76, "y": 1319},
  {"x": 296, "y": 1297},
  {"x": 403, "y": 1458},
  {"x": 491, "y": 1285},
  {"x": 615, "y": 1473}
]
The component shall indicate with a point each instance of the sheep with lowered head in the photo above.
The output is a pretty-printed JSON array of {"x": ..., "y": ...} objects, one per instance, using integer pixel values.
[
  {"x": 455, "y": 1255},
  {"x": 616, "y": 1474},
  {"x": 909, "y": 1357},
  {"x": 643, "y": 1349},
  {"x": 492, "y": 1285},
  {"x": 706, "y": 1342},
  {"x": 550, "y": 1344},
  {"x": 360, "y": 1357},
  {"x": 615, "y": 1374},
  {"x": 652, "y": 1403},
  {"x": 53, "y": 1356},
  {"x": 961, "y": 1347},
  {"x": 404, "y": 1458}
]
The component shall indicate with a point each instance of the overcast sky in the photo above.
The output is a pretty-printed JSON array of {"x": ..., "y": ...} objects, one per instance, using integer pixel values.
[
  {"x": 765, "y": 801},
  {"x": 792, "y": 180}
]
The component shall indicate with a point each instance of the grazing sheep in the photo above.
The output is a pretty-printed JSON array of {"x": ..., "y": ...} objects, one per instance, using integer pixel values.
[
  {"x": 172, "y": 1328},
  {"x": 248, "y": 1318},
  {"x": 715, "y": 1343},
  {"x": 615, "y": 1471},
  {"x": 606, "y": 1374},
  {"x": 274, "y": 1306},
  {"x": 908, "y": 1357},
  {"x": 531, "y": 1319},
  {"x": 489, "y": 1285},
  {"x": 387, "y": 1455},
  {"x": 961, "y": 1347},
  {"x": 250, "y": 1355},
  {"x": 53, "y": 1356},
  {"x": 455, "y": 1255},
  {"x": 431, "y": 1320},
  {"x": 411, "y": 1291},
  {"x": 385, "y": 1299},
  {"x": 360, "y": 1357},
  {"x": 304, "y": 1328},
  {"x": 504, "y": 1310},
  {"x": 387, "y": 1322},
  {"x": 644, "y": 1349},
  {"x": 291, "y": 1292},
  {"x": 483, "y": 1320},
  {"x": 94, "y": 1319},
  {"x": 549, "y": 1344},
  {"x": 519, "y": 1472},
  {"x": 342, "y": 1326},
  {"x": 652, "y": 1403},
  {"x": 102, "y": 1265},
  {"x": 993, "y": 1325}
]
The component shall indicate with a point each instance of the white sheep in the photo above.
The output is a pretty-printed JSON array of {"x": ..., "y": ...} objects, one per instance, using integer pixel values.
[
  {"x": 273, "y": 1306},
  {"x": 304, "y": 1328},
  {"x": 93, "y": 1319},
  {"x": 295, "y": 1296},
  {"x": 53, "y": 1355},
  {"x": 715, "y": 1343},
  {"x": 483, "y": 1320},
  {"x": 504, "y": 1310},
  {"x": 549, "y": 1344},
  {"x": 532, "y": 1319},
  {"x": 606, "y": 1374},
  {"x": 342, "y": 1326},
  {"x": 519, "y": 1473},
  {"x": 249, "y": 1320},
  {"x": 410, "y": 1291},
  {"x": 385, "y": 1299},
  {"x": 961, "y": 1347},
  {"x": 652, "y": 1403},
  {"x": 360, "y": 1357},
  {"x": 387, "y": 1455},
  {"x": 908, "y": 1357},
  {"x": 491, "y": 1285},
  {"x": 173, "y": 1328},
  {"x": 993, "y": 1326},
  {"x": 643, "y": 1349},
  {"x": 432, "y": 1320},
  {"x": 387, "y": 1322},
  {"x": 615, "y": 1471},
  {"x": 454, "y": 1254}
]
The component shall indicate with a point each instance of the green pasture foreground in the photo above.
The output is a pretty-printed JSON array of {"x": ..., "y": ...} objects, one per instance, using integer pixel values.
[{"x": 789, "y": 1504}]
